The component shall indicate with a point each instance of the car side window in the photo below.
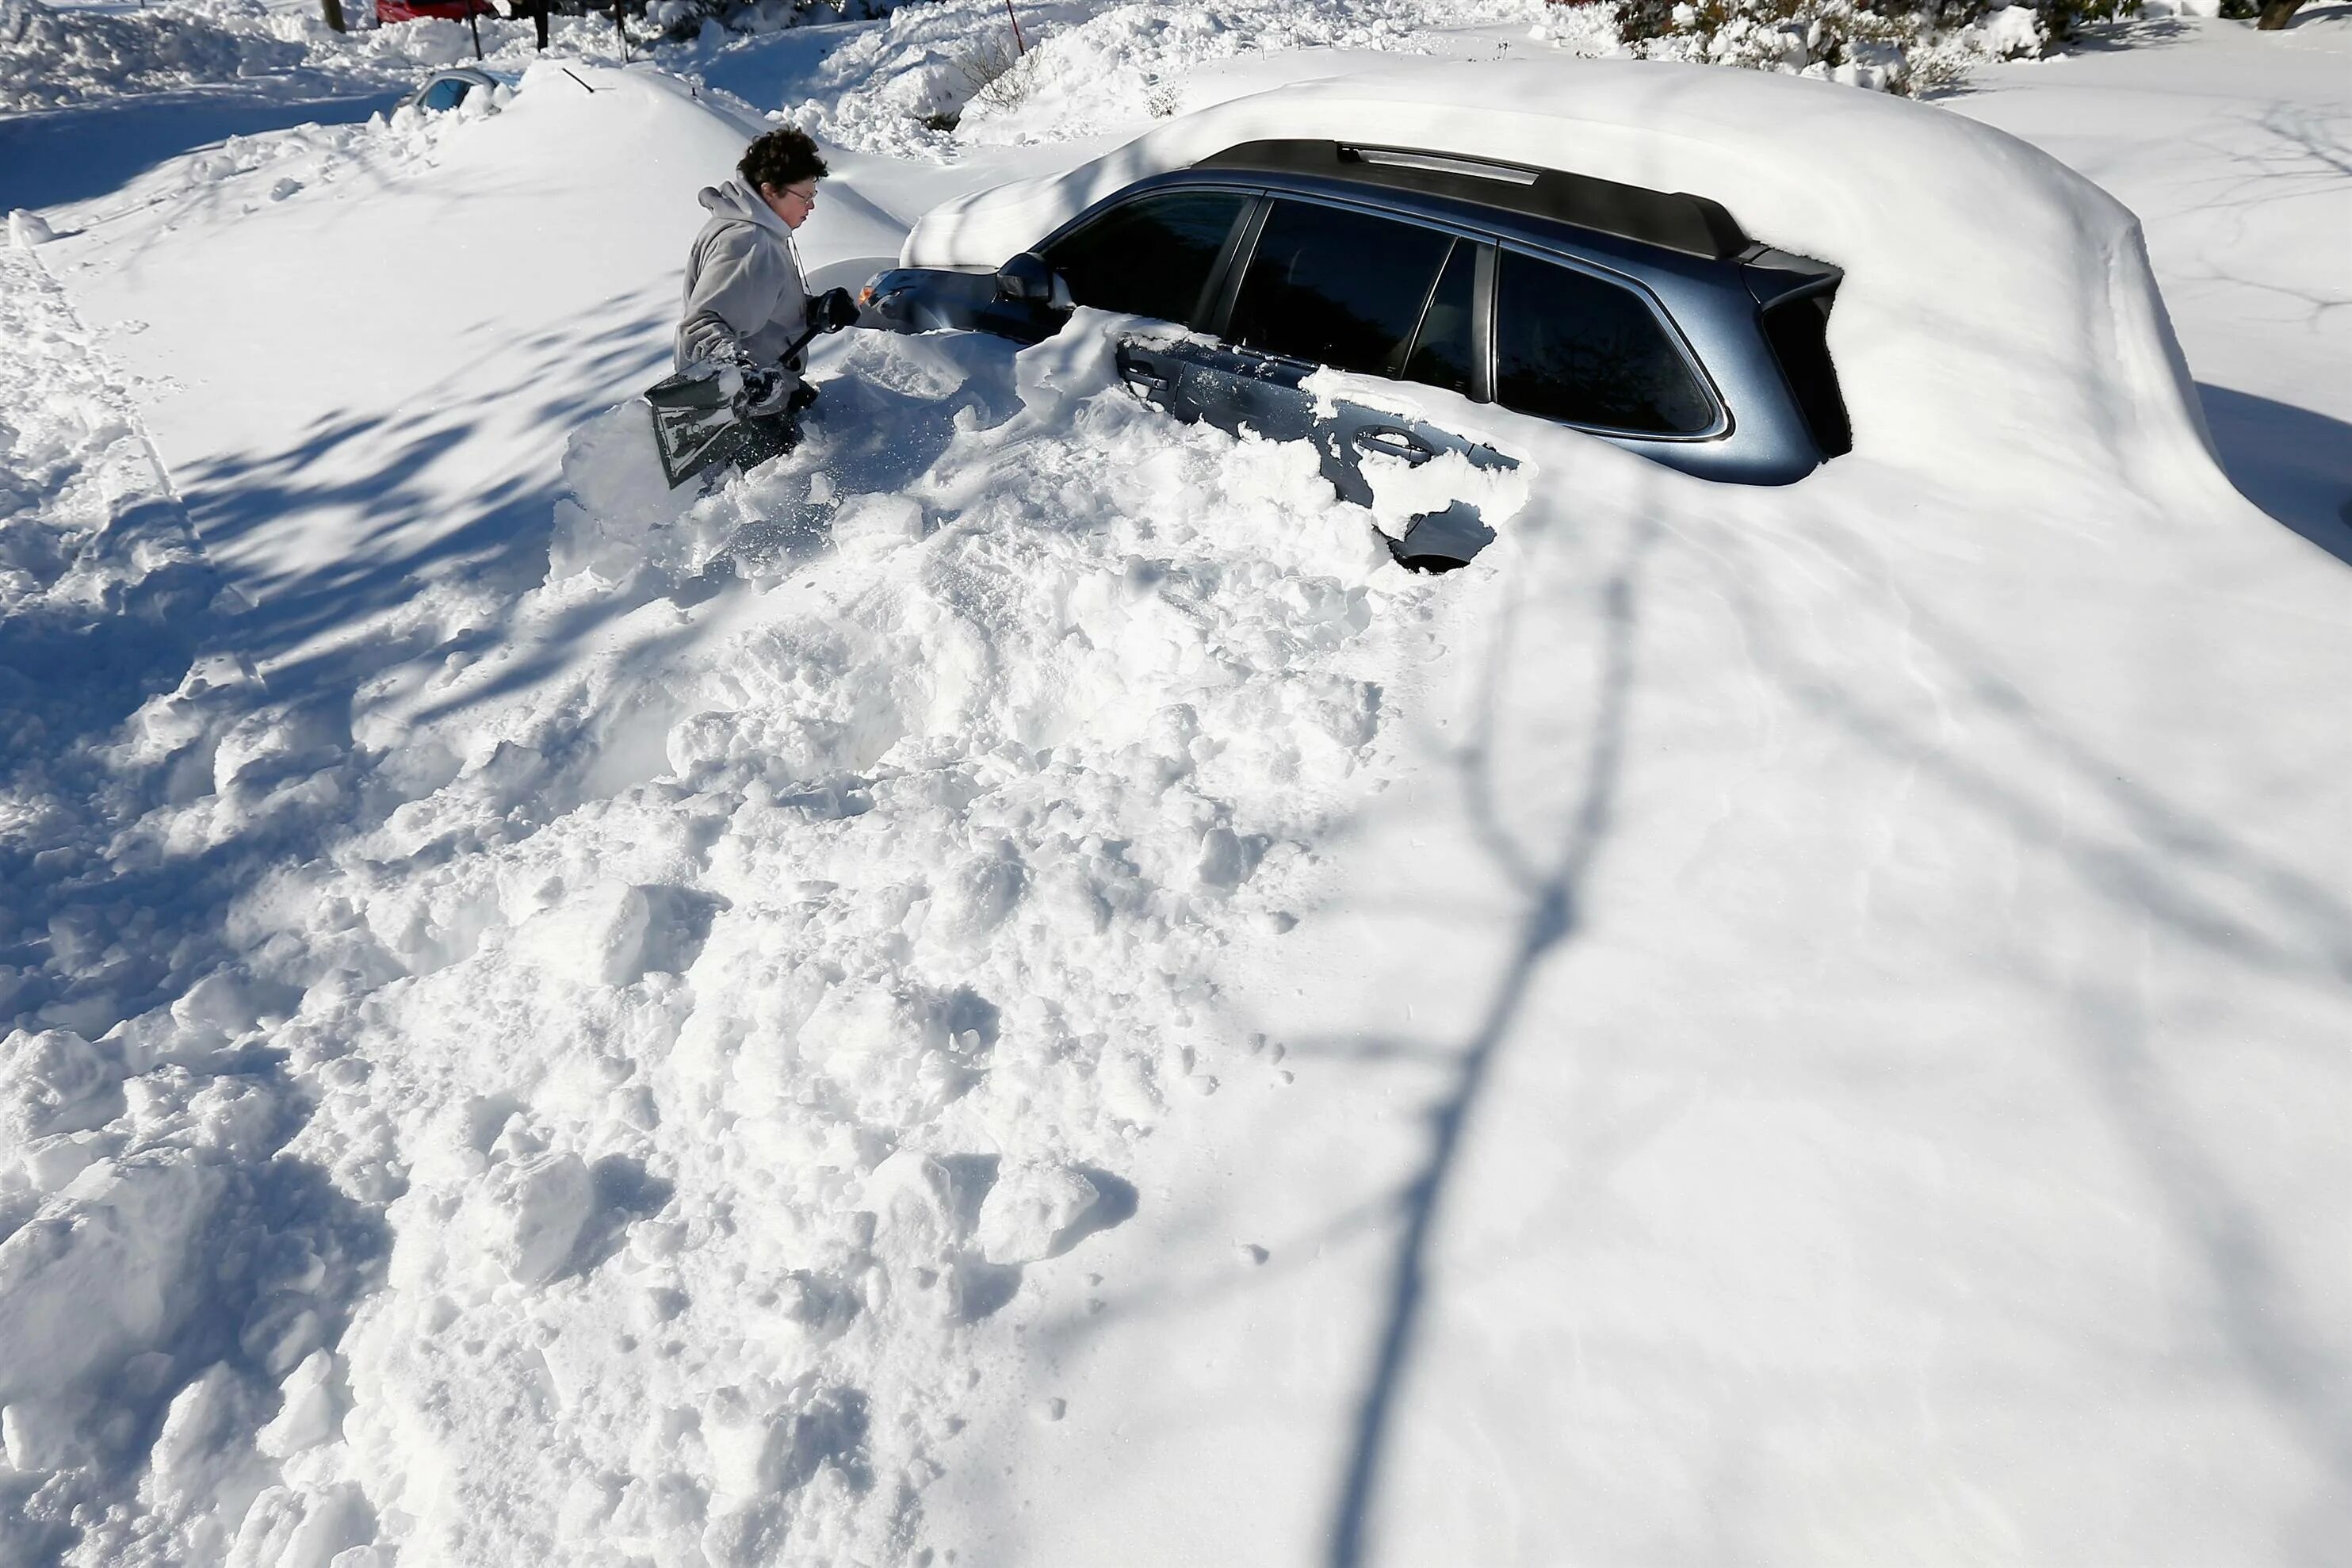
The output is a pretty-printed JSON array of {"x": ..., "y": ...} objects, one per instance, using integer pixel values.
[
  {"x": 1149, "y": 256},
  {"x": 1445, "y": 347},
  {"x": 1336, "y": 287},
  {"x": 1572, "y": 347},
  {"x": 447, "y": 93}
]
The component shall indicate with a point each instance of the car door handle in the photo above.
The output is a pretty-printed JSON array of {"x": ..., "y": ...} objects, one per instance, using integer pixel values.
[
  {"x": 1135, "y": 367},
  {"x": 1390, "y": 442}
]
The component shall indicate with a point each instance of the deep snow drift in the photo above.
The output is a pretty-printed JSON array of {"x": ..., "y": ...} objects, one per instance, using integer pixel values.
[
  {"x": 54, "y": 56},
  {"x": 1004, "y": 986}
]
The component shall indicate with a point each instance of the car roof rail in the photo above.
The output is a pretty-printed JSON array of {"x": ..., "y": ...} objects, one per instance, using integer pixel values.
[{"x": 1672, "y": 220}]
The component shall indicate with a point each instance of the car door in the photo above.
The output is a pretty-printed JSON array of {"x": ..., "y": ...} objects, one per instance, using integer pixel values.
[{"x": 1328, "y": 285}]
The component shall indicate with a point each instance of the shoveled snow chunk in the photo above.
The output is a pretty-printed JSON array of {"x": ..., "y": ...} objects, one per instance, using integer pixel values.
[
  {"x": 28, "y": 229},
  {"x": 100, "y": 1275},
  {"x": 543, "y": 1204},
  {"x": 307, "y": 1418},
  {"x": 596, "y": 936},
  {"x": 54, "y": 1081},
  {"x": 1031, "y": 1212},
  {"x": 284, "y": 1529},
  {"x": 199, "y": 1440}
]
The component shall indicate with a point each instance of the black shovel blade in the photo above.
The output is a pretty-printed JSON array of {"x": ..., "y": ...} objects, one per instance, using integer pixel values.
[{"x": 694, "y": 424}]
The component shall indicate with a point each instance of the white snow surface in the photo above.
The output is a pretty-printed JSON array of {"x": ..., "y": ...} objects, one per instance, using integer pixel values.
[{"x": 1005, "y": 987}]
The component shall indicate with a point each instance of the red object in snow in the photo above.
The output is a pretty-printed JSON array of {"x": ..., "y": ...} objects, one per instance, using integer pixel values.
[{"x": 448, "y": 10}]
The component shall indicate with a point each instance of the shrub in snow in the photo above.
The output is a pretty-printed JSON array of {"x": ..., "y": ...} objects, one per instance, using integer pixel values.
[
  {"x": 1895, "y": 45},
  {"x": 993, "y": 71}
]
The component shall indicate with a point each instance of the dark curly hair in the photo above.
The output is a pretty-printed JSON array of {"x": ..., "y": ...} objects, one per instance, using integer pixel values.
[{"x": 783, "y": 157}]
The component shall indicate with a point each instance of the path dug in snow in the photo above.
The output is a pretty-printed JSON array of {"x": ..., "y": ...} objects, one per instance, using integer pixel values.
[{"x": 152, "y": 1237}]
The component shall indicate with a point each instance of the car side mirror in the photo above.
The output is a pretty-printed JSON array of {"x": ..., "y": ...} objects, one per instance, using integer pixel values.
[
  {"x": 833, "y": 309},
  {"x": 1026, "y": 280}
]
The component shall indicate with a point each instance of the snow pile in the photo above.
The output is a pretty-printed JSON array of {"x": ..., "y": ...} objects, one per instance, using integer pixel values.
[
  {"x": 51, "y": 57},
  {"x": 732, "y": 1021},
  {"x": 316, "y": 158},
  {"x": 937, "y": 74}
]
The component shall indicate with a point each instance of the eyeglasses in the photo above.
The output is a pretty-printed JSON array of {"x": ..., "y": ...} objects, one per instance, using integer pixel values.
[{"x": 807, "y": 199}]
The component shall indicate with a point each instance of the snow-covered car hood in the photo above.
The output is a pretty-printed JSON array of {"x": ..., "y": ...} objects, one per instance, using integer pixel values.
[{"x": 2047, "y": 320}]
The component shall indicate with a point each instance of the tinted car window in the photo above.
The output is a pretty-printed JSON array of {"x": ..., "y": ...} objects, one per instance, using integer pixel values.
[
  {"x": 1150, "y": 257},
  {"x": 1335, "y": 287},
  {"x": 1441, "y": 351},
  {"x": 447, "y": 93},
  {"x": 1568, "y": 346}
]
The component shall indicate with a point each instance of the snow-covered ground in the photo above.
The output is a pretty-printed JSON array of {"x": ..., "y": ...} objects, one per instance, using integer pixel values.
[{"x": 1004, "y": 991}]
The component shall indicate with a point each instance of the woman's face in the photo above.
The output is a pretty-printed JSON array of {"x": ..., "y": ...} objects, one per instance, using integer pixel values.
[{"x": 791, "y": 202}]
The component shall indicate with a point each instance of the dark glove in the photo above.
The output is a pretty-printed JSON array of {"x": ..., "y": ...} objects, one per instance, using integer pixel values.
[
  {"x": 832, "y": 310},
  {"x": 765, "y": 390}
]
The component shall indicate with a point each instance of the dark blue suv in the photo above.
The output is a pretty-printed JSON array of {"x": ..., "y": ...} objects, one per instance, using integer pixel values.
[{"x": 1646, "y": 318}]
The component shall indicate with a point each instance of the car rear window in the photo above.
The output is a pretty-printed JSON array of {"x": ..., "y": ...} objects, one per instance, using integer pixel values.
[
  {"x": 1149, "y": 256},
  {"x": 1443, "y": 350},
  {"x": 1337, "y": 286},
  {"x": 1569, "y": 346}
]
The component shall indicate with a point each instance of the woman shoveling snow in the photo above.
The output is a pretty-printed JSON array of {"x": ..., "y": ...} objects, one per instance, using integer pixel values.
[{"x": 746, "y": 316}]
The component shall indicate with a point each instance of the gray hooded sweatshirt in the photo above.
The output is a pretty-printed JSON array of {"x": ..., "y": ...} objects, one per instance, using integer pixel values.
[{"x": 744, "y": 291}]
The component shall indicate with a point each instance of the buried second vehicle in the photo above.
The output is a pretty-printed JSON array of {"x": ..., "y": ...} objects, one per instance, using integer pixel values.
[{"x": 1646, "y": 318}]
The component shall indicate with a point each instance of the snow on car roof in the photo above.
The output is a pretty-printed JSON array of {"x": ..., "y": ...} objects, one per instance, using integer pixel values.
[{"x": 2047, "y": 318}]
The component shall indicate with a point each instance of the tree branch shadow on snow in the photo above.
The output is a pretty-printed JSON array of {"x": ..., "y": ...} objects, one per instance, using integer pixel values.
[
  {"x": 320, "y": 626},
  {"x": 2177, "y": 872},
  {"x": 1548, "y": 880},
  {"x": 2175, "y": 865},
  {"x": 315, "y": 634},
  {"x": 110, "y": 923}
]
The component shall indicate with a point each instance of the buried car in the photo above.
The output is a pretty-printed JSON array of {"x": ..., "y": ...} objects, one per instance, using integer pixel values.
[
  {"x": 1648, "y": 318},
  {"x": 446, "y": 90},
  {"x": 1740, "y": 276}
]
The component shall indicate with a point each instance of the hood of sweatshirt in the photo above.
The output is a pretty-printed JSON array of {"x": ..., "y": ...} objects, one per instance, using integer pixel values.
[{"x": 737, "y": 201}]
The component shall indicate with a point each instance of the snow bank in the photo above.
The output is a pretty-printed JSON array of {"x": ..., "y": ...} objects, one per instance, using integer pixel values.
[
  {"x": 50, "y": 57},
  {"x": 1957, "y": 342},
  {"x": 54, "y": 57},
  {"x": 937, "y": 79}
]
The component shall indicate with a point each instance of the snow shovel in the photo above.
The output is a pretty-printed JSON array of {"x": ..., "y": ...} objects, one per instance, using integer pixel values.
[{"x": 697, "y": 425}]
